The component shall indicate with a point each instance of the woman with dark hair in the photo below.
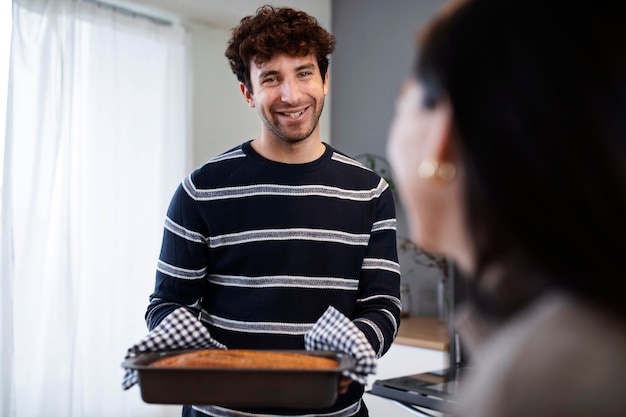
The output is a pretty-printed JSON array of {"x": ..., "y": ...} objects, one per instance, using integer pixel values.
[{"x": 509, "y": 150}]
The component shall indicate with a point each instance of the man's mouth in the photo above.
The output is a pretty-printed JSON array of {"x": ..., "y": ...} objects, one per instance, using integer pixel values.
[{"x": 293, "y": 115}]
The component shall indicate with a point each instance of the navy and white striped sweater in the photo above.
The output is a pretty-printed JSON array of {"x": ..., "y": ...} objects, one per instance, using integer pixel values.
[{"x": 268, "y": 246}]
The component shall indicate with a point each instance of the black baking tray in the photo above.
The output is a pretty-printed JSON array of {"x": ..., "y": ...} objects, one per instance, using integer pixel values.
[{"x": 239, "y": 387}]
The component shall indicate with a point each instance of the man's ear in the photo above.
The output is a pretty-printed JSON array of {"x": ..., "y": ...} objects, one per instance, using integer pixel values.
[
  {"x": 326, "y": 77},
  {"x": 247, "y": 95}
]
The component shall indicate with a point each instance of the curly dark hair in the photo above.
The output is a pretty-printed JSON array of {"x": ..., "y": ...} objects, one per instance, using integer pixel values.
[{"x": 274, "y": 31}]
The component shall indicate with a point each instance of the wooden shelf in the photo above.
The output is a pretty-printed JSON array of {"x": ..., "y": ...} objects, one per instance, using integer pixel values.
[{"x": 424, "y": 332}]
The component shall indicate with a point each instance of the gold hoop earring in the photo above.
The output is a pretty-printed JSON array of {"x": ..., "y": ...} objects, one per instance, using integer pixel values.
[{"x": 430, "y": 168}]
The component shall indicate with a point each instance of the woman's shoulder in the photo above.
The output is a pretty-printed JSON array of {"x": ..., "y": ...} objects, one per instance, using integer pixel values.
[
  {"x": 559, "y": 357},
  {"x": 561, "y": 328}
]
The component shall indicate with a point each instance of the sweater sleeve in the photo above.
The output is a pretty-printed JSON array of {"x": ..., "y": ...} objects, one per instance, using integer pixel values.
[
  {"x": 377, "y": 313},
  {"x": 183, "y": 260}
]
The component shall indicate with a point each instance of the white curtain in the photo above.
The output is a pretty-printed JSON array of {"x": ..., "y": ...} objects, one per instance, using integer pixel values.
[{"x": 95, "y": 145}]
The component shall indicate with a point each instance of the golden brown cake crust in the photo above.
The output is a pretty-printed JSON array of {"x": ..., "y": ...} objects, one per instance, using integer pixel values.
[{"x": 240, "y": 358}]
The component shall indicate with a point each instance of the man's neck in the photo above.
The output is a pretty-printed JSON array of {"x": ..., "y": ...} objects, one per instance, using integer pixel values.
[{"x": 301, "y": 152}]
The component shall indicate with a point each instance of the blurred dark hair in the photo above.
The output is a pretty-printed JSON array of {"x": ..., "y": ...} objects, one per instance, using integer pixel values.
[
  {"x": 538, "y": 96},
  {"x": 273, "y": 31}
]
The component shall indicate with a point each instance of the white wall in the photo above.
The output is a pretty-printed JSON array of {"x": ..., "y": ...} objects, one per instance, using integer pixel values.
[{"x": 220, "y": 118}]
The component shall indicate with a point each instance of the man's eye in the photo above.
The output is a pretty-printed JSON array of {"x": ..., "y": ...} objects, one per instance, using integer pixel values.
[
  {"x": 305, "y": 73},
  {"x": 270, "y": 80}
]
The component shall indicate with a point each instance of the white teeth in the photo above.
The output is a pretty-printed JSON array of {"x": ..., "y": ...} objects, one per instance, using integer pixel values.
[{"x": 294, "y": 115}]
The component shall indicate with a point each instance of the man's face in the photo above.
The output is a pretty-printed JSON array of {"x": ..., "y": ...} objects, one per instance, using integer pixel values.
[{"x": 289, "y": 96}]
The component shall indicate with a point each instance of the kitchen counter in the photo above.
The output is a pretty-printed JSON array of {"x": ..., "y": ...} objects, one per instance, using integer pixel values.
[{"x": 424, "y": 332}]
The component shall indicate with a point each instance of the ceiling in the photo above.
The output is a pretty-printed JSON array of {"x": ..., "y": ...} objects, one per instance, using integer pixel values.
[{"x": 225, "y": 13}]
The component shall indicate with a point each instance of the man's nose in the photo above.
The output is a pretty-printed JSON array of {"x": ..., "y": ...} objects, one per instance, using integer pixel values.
[{"x": 290, "y": 91}]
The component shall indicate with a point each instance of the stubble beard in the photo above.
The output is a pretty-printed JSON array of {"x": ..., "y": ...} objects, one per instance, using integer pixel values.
[{"x": 281, "y": 134}]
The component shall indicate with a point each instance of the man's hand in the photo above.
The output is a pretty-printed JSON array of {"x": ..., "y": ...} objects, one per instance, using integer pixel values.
[{"x": 344, "y": 382}]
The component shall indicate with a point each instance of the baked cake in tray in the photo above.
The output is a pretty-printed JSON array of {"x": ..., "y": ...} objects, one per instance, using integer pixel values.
[{"x": 250, "y": 359}]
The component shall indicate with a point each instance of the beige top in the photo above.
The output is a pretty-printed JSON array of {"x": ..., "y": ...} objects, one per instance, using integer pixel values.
[{"x": 559, "y": 358}]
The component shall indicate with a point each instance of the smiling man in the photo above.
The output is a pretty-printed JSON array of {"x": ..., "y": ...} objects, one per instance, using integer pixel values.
[
  {"x": 289, "y": 96},
  {"x": 286, "y": 86},
  {"x": 261, "y": 240}
]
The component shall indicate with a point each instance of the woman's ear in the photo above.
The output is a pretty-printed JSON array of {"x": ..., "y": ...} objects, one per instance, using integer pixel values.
[
  {"x": 441, "y": 145},
  {"x": 440, "y": 156},
  {"x": 247, "y": 95}
]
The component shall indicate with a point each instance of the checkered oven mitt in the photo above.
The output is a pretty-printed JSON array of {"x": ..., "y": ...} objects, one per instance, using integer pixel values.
[
  {"x": 178, "y": 330},
  {"x": 334, "y": 331}
]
